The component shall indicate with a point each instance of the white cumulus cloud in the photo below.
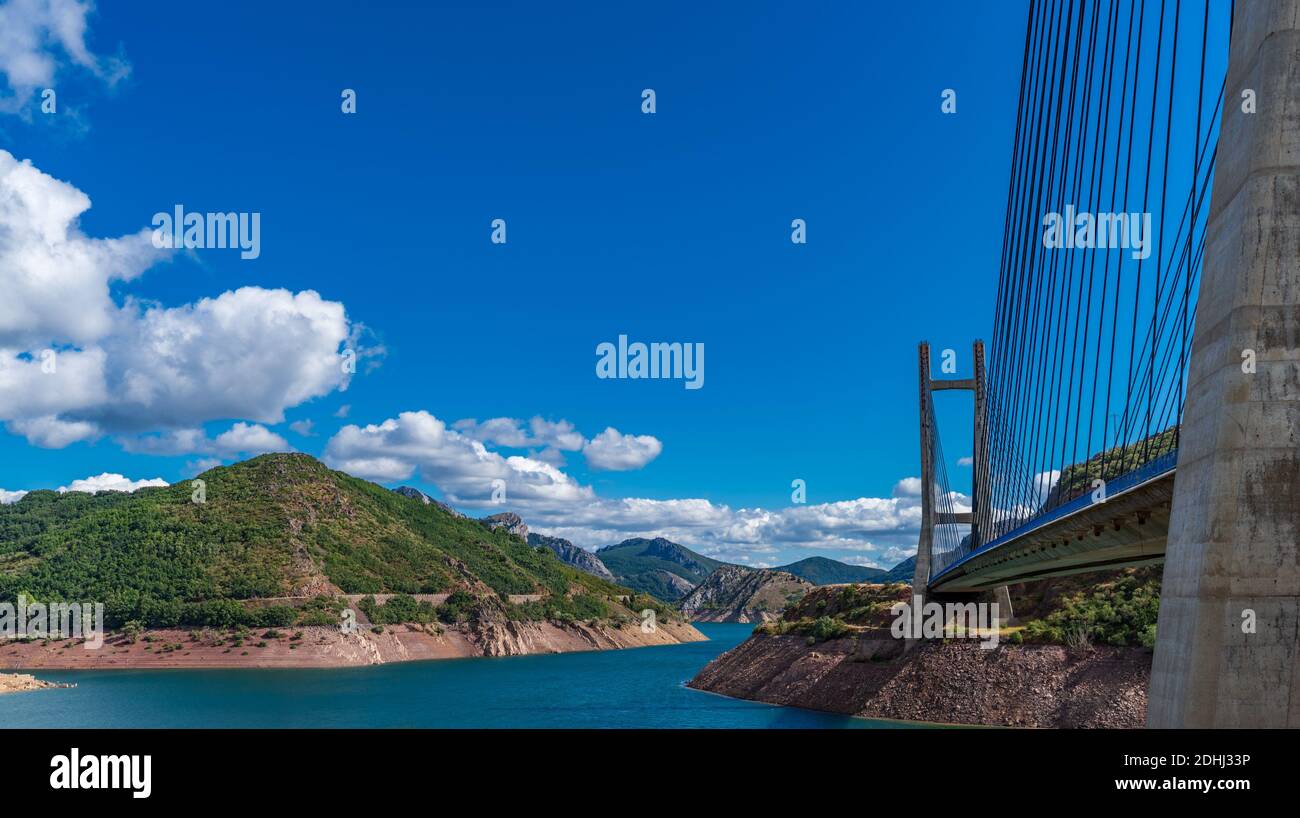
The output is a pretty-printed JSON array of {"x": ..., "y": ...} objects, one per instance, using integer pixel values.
[
  {"x": 110, "y": 482},
  {"x": 75, "y": 364},
  {"x": 515, "y": 434},
  {"x": 249, "y": 439},
  {"x": 613, "y": 451},
  {"x": 55, "y": 278},
  {"x": 462, "y": 467},
  {"x": 908, "y": 487},
  {"x": 240, "y": 439}
]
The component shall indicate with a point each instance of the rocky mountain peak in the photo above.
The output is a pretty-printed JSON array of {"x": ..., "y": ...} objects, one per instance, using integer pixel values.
[
  {"x": 510, "y": 521},
  {"x": 578, "y": 557},
  {"x": 414, "y": 494}
]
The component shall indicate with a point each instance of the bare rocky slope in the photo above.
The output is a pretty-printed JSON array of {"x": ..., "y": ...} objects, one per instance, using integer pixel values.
[
  {"x": 733, "y": 593},
  {"x": 578, "y": 557},
  {"x": 954, "y": 683},
  {"x": 319, "y": 646},
  {"x": 833, "y": 650}
]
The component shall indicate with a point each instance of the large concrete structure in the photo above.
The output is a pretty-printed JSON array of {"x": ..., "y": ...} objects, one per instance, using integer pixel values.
[
  {"x": 925, "y": 542},
  {"x": 979, "y": 490},
  {"x": 1228, "y": 650}
]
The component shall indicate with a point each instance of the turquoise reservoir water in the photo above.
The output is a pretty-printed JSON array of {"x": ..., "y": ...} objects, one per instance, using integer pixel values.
[{"x": 613, "y": 689}]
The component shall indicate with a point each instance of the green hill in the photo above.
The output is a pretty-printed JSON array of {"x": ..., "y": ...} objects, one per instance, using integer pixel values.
[
  {"x": 823, "y": 571},
  {"x": 658, "y": 567},
  {"x": 903, "y": 572},
  {"x": 279, "y": 525}
]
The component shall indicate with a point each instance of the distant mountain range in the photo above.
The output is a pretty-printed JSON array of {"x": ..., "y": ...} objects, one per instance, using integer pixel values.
[
  {"x": 823, "y": 571},
  {"x": 658, "y": 567},
  {"x": 903, "y": 572},
  {"x": 672, "y": 572},
  {"x": 663, "y": 568}
]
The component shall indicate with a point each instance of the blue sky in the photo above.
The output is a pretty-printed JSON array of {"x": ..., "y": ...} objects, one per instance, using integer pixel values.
[{"x": 672, "y": 226}]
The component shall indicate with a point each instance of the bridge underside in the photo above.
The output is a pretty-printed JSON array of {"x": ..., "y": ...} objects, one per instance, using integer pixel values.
[{"x": 1128, "y": 529}]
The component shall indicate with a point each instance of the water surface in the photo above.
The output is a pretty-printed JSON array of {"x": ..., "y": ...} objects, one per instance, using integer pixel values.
[{"x": 640, "y": 688}]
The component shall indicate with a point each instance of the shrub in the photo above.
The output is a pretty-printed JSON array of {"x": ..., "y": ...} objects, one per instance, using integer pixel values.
[
  {"x": 275, "y": 616},
  {"x": 825, "y": 627},
  {"x": 1148, "y": 637},
  {"x": 459, "y": 607},
  {"x": 1120, "y": 613}
]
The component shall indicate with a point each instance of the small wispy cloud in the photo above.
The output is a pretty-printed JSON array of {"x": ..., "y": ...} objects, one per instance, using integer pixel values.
[{"x": 41, "y": 38}]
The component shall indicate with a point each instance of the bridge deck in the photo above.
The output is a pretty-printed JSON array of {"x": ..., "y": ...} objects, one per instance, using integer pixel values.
[{"x": 1129, "y": 528}]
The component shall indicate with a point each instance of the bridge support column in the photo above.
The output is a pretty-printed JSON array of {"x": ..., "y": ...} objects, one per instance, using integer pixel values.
[
  {"x": 980, "y": 477},
  {"x": 1002, "y": 596},
  {"x": 921, "y": 573},
  {"x": 1228, "y": 645},
  {"x": 979, "y": 451}
]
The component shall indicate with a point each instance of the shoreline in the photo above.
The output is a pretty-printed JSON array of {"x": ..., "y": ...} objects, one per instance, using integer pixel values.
[
  {"x": 23, "y": 682},
  {"x": 327, "y": 647},
  {"x": 1032, "y": 686}
]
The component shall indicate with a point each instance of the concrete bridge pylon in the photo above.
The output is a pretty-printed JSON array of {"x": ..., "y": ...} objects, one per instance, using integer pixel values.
[
  {"x": 979, "y": 453},
  {"x": 1228, "y": 640}
]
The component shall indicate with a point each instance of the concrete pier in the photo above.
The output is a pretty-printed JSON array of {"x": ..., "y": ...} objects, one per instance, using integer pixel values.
[
  {"x": 925, "y": 542},
  {"x": 1228, "y": 642},
  {"x": 1002, "y": 596}
]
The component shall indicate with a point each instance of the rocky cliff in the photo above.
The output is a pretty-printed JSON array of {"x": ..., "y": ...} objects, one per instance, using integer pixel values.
[
  {"x": 569, "y": 553},
  {"x": 507, "y": 521},
  {"x": 1073, "y": 658},
  {"x": 317, "y": 646},
  {"x": 955, "y": 682},
  {"x": 733, "y": 593}
]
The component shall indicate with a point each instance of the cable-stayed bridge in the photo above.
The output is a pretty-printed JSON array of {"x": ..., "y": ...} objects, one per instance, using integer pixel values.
[{"x": 1140, "y": 400}]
